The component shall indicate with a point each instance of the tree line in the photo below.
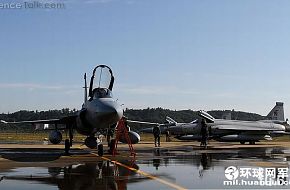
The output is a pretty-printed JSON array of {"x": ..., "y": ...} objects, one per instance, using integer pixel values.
[{"x": 157, "y": 115}]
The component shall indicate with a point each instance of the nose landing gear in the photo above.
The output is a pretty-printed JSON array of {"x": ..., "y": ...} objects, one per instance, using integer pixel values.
[
  {"x": 93, "y": 143},
  {"x": 100, "y": 150}
]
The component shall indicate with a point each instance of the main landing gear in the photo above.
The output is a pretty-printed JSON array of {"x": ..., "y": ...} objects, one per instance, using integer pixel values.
[
  {"x": 250, "y": 142},
  {"x": 66, "y": 146},
  {"x": 68, "y": 141}
]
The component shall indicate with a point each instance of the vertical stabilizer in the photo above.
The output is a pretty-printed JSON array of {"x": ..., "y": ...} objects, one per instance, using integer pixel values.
[{"x": 277, "y": 113}]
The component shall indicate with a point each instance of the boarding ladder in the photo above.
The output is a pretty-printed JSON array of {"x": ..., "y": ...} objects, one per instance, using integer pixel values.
[{"x": 122, "y": 130}]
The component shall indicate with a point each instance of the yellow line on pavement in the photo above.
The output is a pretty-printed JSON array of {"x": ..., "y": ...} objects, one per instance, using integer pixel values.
[{"x": 172, "y": 185}]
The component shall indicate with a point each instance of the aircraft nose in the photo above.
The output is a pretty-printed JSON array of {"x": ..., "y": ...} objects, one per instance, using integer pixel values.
[
  {"x": 287, "y": 128},
  {"x": 111, "y": 111}
]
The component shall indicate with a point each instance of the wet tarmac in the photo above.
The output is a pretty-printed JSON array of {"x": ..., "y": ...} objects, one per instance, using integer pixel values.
[{"x": 154, "y": 168}]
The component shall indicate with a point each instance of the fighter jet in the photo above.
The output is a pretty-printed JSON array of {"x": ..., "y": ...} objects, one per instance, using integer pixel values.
[
  {"x": 99, "y": 111},
  {"x": 241, "y": 131},
  {"x": 230, "y": 130}
]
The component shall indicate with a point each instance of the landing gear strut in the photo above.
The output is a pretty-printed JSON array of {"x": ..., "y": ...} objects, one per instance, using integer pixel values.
[
  {"x": 66, "y": 146},
  {"x": 112, "y": 146},
  {"x": 100, "y": 150},
  {"x": 68, "y": 142}
]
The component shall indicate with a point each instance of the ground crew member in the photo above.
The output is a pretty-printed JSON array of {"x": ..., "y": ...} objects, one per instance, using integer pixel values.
[
  {"x": 156, "y": 133},
  {"x": 203, "y": 133}
]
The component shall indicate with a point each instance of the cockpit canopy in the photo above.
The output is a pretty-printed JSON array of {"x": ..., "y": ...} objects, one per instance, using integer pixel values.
[
  {"x": 102, "y": 93},
  {"x": 102, "y": 82}
]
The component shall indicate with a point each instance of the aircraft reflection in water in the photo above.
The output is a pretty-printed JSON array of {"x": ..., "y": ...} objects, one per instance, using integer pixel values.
[
  {"x": 99, "y": 112},
  {"x": 191, "y": 169},
  {"x": 101, "y": 175},
  {"x": 207, "y": 161}
]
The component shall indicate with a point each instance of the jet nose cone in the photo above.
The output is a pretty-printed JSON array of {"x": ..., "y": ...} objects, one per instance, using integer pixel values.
[
  {"x": 115, "y": 111},
  {"x": 287, "y": 128},
  {"x": 111, "y": 112}
]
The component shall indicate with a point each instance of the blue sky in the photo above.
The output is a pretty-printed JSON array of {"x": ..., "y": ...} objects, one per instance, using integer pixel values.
[{"x": 177, "y": 54}]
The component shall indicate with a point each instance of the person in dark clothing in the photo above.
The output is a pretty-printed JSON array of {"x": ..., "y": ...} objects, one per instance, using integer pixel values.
[
  {"x": 156, "y": 133},
  {"x": 203, "y": 133}
]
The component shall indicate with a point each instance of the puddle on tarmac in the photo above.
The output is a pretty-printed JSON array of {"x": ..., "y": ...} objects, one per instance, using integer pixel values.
[{"x": 187, "y": 169}]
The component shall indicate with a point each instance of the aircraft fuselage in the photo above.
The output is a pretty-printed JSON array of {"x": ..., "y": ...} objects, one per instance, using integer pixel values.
[
  {"x": 229, "y": 130},
  {"x": 98, "y": 114}
]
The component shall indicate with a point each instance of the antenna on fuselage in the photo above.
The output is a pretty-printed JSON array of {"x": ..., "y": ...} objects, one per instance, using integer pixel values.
[{"x": 85, "y": 87}]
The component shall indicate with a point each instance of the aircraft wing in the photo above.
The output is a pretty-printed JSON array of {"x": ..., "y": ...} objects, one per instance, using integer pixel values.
[
  {"x": 64, "y": 120},
  {"x": 144, "y": 122},
  {"x": 241, "y": 128}
]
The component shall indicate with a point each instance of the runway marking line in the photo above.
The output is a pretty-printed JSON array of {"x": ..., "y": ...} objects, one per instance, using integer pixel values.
[{"x": 145, "y": 174}]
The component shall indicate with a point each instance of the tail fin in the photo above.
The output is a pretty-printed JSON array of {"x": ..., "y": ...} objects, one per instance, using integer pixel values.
[
  {"x": 170, "y": 120},
  {"x": 277, "y": 113}
]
